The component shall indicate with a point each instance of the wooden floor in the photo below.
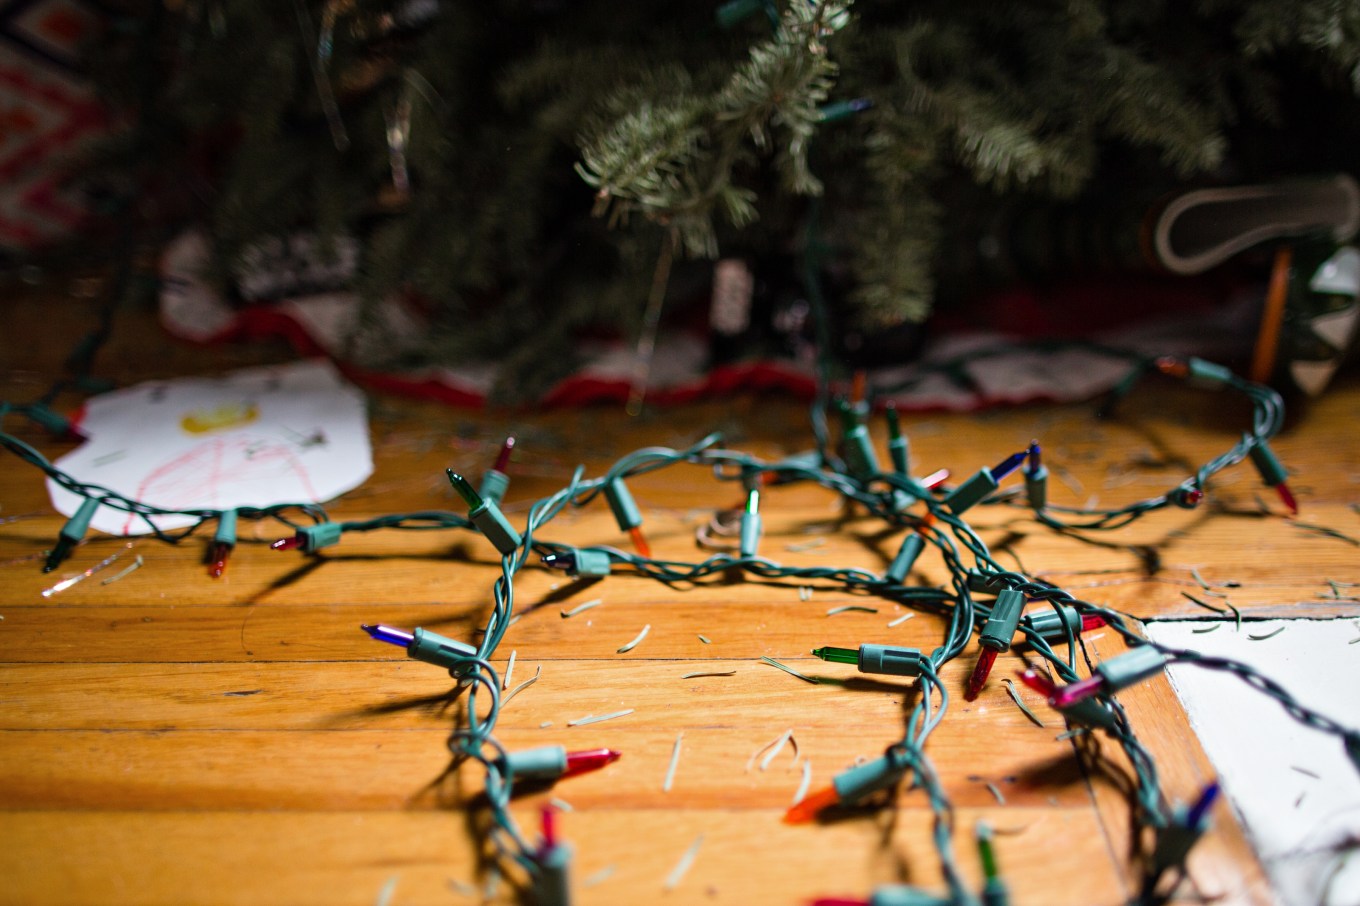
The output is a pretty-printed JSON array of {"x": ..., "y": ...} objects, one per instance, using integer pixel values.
[{"x": 170, "y": 739}]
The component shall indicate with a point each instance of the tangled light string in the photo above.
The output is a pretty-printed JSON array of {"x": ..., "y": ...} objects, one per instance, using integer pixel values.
[{"x": 981, "y": 596}]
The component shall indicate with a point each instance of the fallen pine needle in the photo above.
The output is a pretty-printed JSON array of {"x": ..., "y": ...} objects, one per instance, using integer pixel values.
[
  {"x": 675, "y": 760},
  {"x": 1210, "y": 629},
  {"x": 1020, "y": 703},
  {"x": 462, "y": 888},
  {"x": 789, "y": 670},
  {"x": 900, "y": 620},
  {"x": 1237, "y": 615},
  {"x": 1198, "y": 578},
  {"x": 640, "y": 636},
  {"x": 709, "y": 673},
  {"x": 804, "y": 783},
  {"x": 1000, "y": 799},
  {"x": 1305, "y": 772},
  {"x": 509, "y": 669},
  {"x": 804, "y": 545},
  {"x": 385, "y": 894},
  {"x": 599, "y": 877},
  {"x": 804, "y": 593},
  {"x": 524, "y": 685},
  {"x": 1068, "y": 734},
  {"x": 1325, "y": 531},
  {"x": 682, "y": 867},
  {"x": 776, "y": 748},
  {"x": 130, "y": 568},
  {"x": 589, "y": 719},
  {"x": 580, "y": 607},
  {"x": 846, "y": 608},
  {"x": 1202, "y": 603},
  {"x": 706, "y": 640},
  {"x": 561, "y": 805},
  {"x": 1267, "y": 635}
]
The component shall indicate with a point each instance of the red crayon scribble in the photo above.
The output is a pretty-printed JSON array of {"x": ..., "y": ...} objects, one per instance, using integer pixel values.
[{"x": 194, "y": 478}]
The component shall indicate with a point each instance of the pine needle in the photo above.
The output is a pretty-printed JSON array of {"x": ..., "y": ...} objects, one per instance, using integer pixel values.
[
  {"x": 561, "y": 805},
  {"x": 776, "y": 748},
  {"x": 604, "y": 874},
  {"x": 705, "y": 639},
  {"x": 675, "y": 760},
  {"x": 1267, "y": 635},
  {"x": 524, "y": 685},
  {"x": 385, "y": 894},
  {"x": 509, "y": 669},
  {"x": 580, "y": 607},
  {"x": 846, "y": 608},
  {"x": 1000, "y": 799},
  {"x": 1237, "y": 614},
  {"x": 590, "y": 719},
  {"x": 900, "y": 620},
  {"x": 1325, "y": 531},
  {"x": 804, "y": 545},
  {"x": 127, "y": 570},
  {"x": 682, "y": 867},
  {"x": 1202, "y": 603},
  {"x": 789, "y": 670},
  {"x": 709, "y": 673},
  {"x": 1210, "y": 629},
  {"x": 1198, "y": 578},
  {"x": 633, "y": 644},
  {"x": 1068, "y": 734},
  {"x": 1020, "y": 703},
  {"x": 803, "y": 784}
]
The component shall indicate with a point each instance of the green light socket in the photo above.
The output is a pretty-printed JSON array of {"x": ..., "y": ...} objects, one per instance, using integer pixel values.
[
  {"x": 860, "y": 459},
  {"x": 1036, "y": 488},
  {"x": 1272, "y": 473},
  {"x": 902, "y": 895},
  {"x": 911, "y": 548},
  {"x": 226, "y": 528},
  {"x": 857, "y": 782},
  {"x": 621, "y": 502},
  {"x": 494, "y": 485},
  {"x": 889, "y": 660},
  {"x": 1000, "y": 627},
  {"x": 542, "y": 763},
  {"x": 1131, "y": 667},
  {"x": 491, "y": 522},
  {"x": 441, "y": 651},
  {"x": 971, "y": 491}
]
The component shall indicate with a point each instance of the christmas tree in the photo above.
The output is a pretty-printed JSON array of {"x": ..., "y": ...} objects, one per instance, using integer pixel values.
[{"x": 523, "y": 168}]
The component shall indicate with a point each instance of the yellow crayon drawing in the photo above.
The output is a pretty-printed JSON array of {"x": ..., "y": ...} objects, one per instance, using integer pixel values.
[{"x": 219, "y": 418}]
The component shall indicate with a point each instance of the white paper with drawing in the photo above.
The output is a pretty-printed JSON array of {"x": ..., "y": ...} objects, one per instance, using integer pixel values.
[{"x": 286, "y": 434}]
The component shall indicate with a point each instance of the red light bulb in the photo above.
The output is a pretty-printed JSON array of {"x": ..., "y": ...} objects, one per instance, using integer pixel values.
[
  {"x": 812, "y": 805},
  {"x": 935, "y": 479},
  {"x": 287, "y": 544},
  {"x": 218, "y": 559},
  {"x": 981, "y": 670},
  {"x": 640, "y": 542},
  {"x": 589, "y": 760}
]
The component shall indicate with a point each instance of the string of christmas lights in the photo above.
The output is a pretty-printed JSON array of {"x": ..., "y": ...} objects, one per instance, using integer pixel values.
[{"x": 982, "y": 598}]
